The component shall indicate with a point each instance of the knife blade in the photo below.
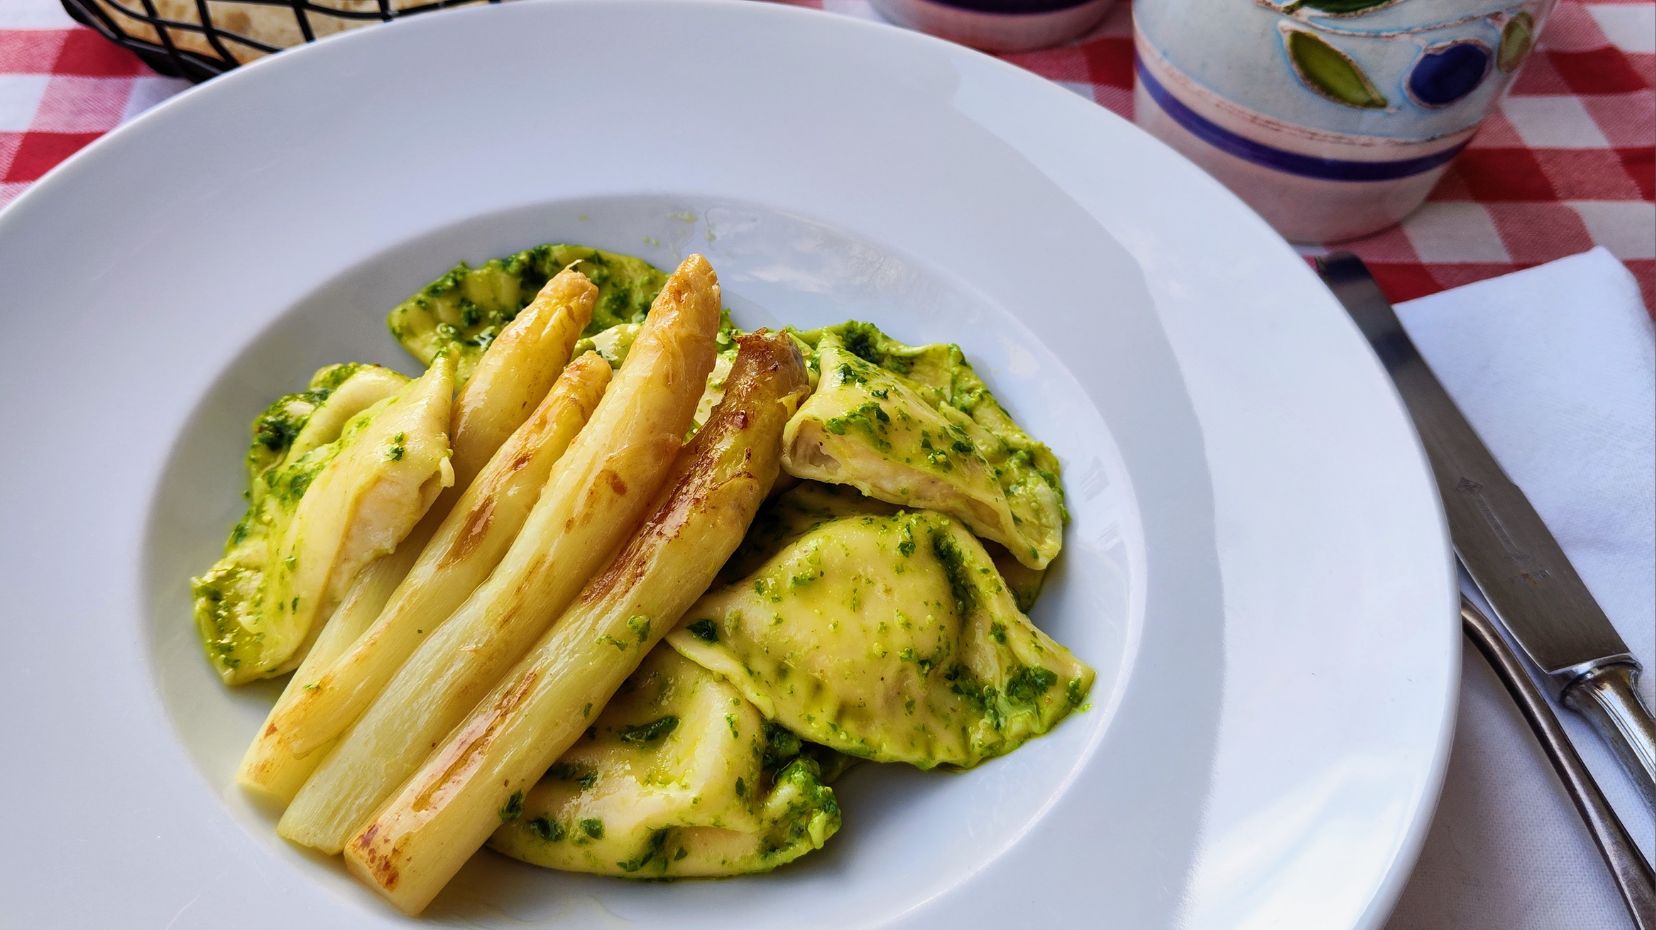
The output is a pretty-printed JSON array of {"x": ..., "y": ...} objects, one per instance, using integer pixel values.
[{"x": 1505, "y": 547}]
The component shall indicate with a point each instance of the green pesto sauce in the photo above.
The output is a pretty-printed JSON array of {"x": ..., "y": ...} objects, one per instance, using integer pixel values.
[
  {"x": 275, "y": 429},
  {"x": 640, "y": 625},
  {"x": 1075, "y": 691},
  {"x": 468, "y": 306},
  {"x": 812, "y": 812},
  {"x": 870, "y": 418},
  {"x": 950, "y": 559},
  {"x": 513, "y": 808},
  {"x": 652, "y": 851},
  {"x": 782, "y": 746}
]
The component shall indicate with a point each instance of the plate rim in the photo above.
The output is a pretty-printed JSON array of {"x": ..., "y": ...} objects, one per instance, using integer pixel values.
[{"x": 1389, "y": 886}]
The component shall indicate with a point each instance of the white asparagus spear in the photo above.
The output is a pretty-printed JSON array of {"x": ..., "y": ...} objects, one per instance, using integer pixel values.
[
  {"x": 517, "y": 370},
  {"x": 514, "y": 373},
  {"x": 457, "y": 798},
  {"x": 363, "y": 602},
  {"x": 326, "y": 698},
  {"x": 593, "y": 500}
]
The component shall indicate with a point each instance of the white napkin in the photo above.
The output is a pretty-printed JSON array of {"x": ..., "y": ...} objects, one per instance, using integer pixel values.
[{"x": 1555, "y": 367}]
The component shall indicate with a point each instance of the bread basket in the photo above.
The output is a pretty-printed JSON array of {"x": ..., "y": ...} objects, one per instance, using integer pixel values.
[{"x": 197, "y": 39}]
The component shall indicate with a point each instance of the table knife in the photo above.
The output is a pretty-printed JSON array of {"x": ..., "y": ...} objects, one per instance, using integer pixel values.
[{"x": 1505, "y": 548}]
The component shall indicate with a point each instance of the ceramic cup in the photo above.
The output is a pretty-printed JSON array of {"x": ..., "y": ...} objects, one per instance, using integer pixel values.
[
  {"x": 1332, "y": 118},
  {"x": 998, "y": 25}
]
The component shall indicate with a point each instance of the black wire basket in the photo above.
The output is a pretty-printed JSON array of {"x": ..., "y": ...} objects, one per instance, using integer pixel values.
[{"x": 197, "y": 39}]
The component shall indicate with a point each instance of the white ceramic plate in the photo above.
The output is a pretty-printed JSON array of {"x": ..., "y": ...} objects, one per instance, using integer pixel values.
[{"x": 1256, "y": 567}]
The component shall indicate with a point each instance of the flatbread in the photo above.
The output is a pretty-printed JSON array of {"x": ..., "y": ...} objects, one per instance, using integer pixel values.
[{"x": 263, "y": 23}]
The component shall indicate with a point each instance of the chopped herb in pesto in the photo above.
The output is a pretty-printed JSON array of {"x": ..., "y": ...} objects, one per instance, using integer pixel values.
[
  {"x": 949, "y": 557},
  {"x": 781, "y": 745},
  {"x": 640, "y": 625},
  {"x": 870, "y": 418},
  {"x": 1075, "y": 692},
  {"x": 275, "y": 429},
  {"x": 513, "y": 808},
  {"x": 646, "y": 733},
  {"x": 564, "y": 771},
  {"x": 652, "y": 850},
  {"x": 705, "y": 630},
  {"x": 1029, "y": 683},
  {"x": 547, "y": 829}
]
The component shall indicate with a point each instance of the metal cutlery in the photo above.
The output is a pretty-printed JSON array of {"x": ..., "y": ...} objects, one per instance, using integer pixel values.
[
  {"x": 1540, "y": 601},
  {"x": 1506, "y": 549},
  {"x": 1628, "y": 868}
]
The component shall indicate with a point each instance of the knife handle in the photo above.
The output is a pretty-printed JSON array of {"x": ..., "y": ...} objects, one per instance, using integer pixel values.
[
  {"x": 1608, "y": 698},
  {"x": 1632, "y": 874}
]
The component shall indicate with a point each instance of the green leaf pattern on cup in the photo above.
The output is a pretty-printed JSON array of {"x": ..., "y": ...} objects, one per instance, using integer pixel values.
[
  {"x": 1517, "y": 38},
  {"x": 1330, "y": 72}
]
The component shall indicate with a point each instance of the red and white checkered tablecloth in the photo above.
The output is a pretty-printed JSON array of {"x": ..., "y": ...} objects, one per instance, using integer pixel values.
[{"x": 1567, "y": 162}]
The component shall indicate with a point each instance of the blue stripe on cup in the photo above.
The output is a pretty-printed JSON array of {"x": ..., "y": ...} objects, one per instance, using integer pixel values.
[{"x": 1309, "y": 166}]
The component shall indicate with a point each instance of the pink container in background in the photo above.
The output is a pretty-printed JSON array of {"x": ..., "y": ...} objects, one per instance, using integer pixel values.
[{"x": 998, "y": 25}]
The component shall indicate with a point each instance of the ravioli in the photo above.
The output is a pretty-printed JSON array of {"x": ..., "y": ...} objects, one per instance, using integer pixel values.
[
  {"x": 1024, "y": 582},
  {"x": 941, "y": 443},
  {"x": 791, "y": 514},
  {"x": 810, "y": 504},
  {"x": 338, "y": 475},
  {"x": 466, "y": 308},
  {"x": 679, "y": 777},
  {"x": 296, "y": 423},
  {"x": 887, "y": 637}
]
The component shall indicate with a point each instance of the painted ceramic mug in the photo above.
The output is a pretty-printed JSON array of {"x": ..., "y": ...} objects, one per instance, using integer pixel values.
[{"x": 1332, "y": 118}]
